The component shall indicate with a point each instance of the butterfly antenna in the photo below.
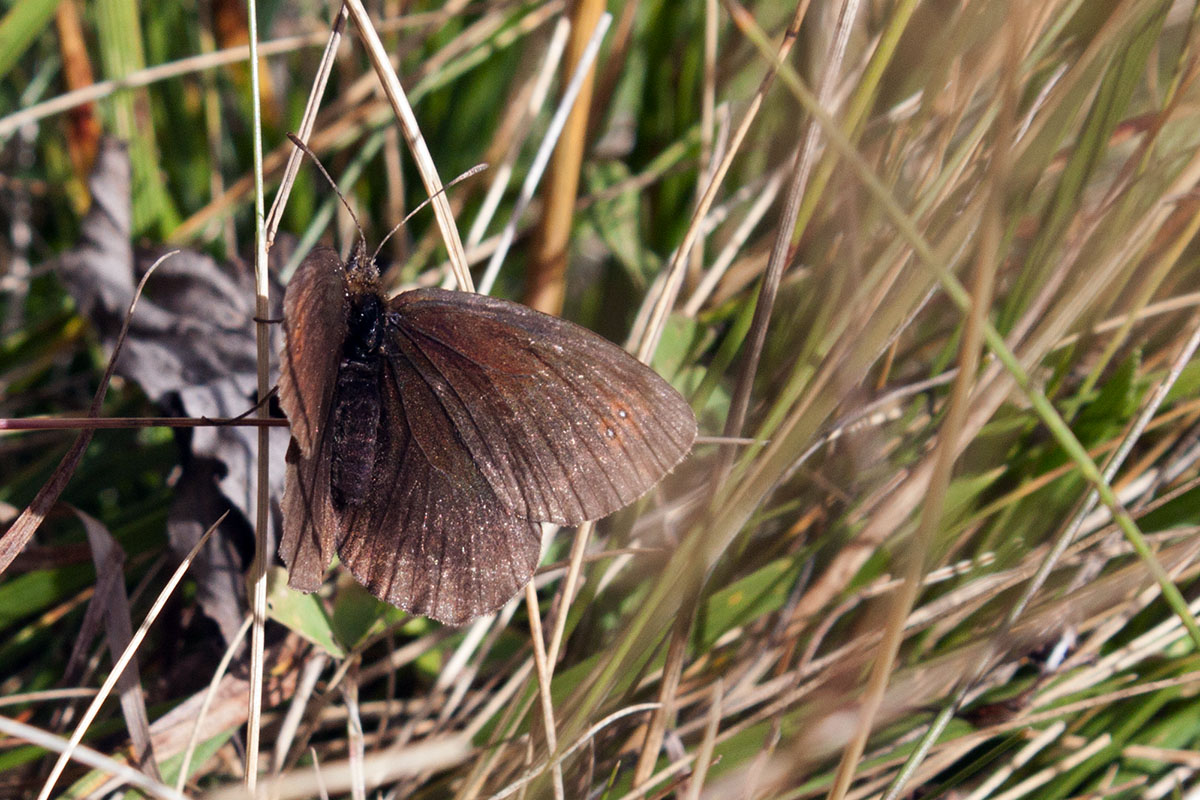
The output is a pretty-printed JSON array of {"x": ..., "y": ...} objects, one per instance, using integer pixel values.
[
  {"x": 296, "y": 140},
  {"x": 475, "y": 170}
]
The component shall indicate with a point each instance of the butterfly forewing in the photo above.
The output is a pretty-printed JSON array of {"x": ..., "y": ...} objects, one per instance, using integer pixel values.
[
  {"x": 565, "y": 425},
  {"x": 314, "y": 321},
  {"x": 315, "y": 312}
]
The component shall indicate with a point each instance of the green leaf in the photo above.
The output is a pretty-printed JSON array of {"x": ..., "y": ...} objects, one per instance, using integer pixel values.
[
  {"x": 1188, "y": 385},
  {"x": 1117, "y": 401},
  {"x": 204, "y": 751},
  {"x": 303, "y": 613},
  {"x": 356, "y": 613},
  {"x": 617, "y": 219},
  {"x": 759, "y": 593},
  {"x": 23, "y": 23}
]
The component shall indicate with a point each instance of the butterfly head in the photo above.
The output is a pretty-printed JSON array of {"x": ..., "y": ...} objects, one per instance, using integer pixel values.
[{"x": 362, "y": 275}]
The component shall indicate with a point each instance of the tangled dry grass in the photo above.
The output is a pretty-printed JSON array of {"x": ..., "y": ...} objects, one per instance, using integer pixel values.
[{"x": 932, "y": 277}]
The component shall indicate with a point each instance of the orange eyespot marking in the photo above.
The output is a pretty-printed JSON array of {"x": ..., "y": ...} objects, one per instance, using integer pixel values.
[{"x": 608, "y": 428}]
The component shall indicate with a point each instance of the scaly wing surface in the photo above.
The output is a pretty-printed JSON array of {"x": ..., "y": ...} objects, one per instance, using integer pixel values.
[
  {"x": 564, "y": 425},
  {"x": 315, "y": 311}
]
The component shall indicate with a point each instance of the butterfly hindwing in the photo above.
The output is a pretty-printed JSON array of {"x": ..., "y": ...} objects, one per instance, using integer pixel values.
[{"x": 431, "y": 537}]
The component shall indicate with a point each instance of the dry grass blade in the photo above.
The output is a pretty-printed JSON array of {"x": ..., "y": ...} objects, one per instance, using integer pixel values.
[
  {"x": 304, "y": 131},
  {"x": 262, "y": 484},
  {"x": 675, "y": 271},
  {"x": 1023, "y": 756},
  {"x": 667, "y": 699},
  {"x": 587, "y": 736},
  {"x": 86, "y": 755},
  {"x": 947, "y": 453},
  {"x": 111, "y": 597},
  {"x": 416, "y": 142},
  {"x": 354, "y": 737},
  {"x": 119, "y": 666},
  {"x": 543, "y": 673},
  {"x": 545, "y": 280},
  {"x": 930, "y": 560},
  {"x": 803, "y": 166},
  {"x": 538, "y": 93},
  {"x": 376, "y": 770},
  {"x": 310, "y": 673},
  {"x": 568, "y": 107},
  {"x": 218, "y": 674},
  {"x": 23, "y": 528},
  {"x": 151, "y": 75},
  {"x": 704, "y": 753},
  {"x": 1040, "y": 779}
]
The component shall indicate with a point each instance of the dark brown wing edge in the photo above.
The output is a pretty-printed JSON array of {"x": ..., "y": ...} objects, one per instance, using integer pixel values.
[
  {"x": 315, "y": 312},
  {"x": 564, "y": 425},
  {"x": 433, "y": 542}
]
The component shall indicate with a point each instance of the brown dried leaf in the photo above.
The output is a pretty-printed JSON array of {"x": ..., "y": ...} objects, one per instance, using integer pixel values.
[{"x": 191, "y": 349}]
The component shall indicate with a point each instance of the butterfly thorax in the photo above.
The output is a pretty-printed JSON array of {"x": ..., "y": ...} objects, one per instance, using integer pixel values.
[
  {"x": 356, "y": 401},
  {"x": 364, "y": 333}
]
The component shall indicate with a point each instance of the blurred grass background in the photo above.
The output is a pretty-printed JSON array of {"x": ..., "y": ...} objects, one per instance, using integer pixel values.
[{"x": 1045, "y": 153}]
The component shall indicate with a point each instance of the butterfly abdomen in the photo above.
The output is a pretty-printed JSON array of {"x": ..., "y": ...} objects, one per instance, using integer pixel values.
[
  {"x": 355, "y": 422},
  {"x": 356, "y": 404}
]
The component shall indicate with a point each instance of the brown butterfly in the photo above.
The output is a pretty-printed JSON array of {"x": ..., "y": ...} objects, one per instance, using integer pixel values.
[{"x": 433, "y": 431}]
